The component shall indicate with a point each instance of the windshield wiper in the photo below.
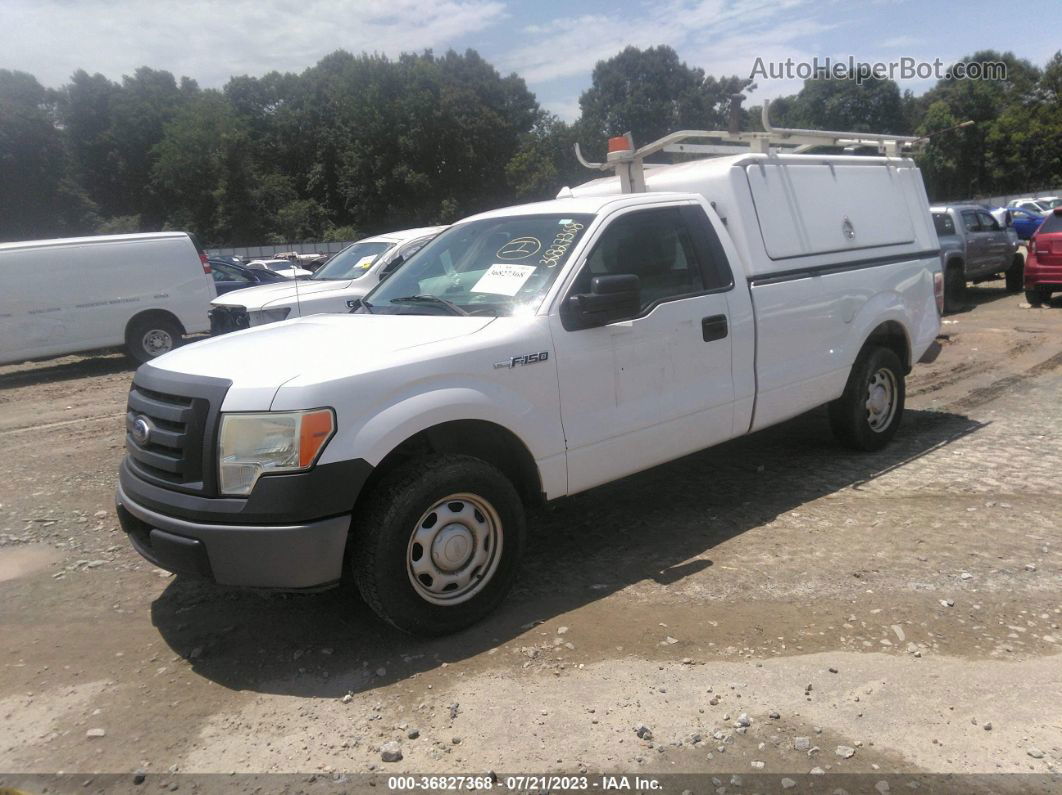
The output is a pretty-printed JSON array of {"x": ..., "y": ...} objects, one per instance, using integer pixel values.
[{"x": 425, "y": 298}]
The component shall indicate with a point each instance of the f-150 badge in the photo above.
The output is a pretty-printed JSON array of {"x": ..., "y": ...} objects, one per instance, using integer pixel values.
[{"x": 520, "y": 361}]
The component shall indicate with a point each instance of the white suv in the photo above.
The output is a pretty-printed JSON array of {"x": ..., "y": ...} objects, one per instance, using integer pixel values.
[{"x": 346, "y": 276}]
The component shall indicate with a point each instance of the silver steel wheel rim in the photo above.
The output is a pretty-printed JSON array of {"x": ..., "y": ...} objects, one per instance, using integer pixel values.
[
  {"x": 157, "y": 342},
  {"x": 454, "y": 549},
  {"x": 881, "y": 400}
]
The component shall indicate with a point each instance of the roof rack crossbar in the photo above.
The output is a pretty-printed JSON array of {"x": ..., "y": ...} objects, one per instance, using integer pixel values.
[{"x": 628, "y": 163}]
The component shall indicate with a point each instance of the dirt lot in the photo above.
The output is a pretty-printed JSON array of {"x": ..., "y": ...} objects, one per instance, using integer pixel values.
[{"x": 889, "y": 613}]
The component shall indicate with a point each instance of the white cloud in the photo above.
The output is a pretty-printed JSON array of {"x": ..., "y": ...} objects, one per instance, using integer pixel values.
[
  {"x": 901, "y": 42},
  {"x": 211, "y": 41},
  {"x": 721, "y": 36}
]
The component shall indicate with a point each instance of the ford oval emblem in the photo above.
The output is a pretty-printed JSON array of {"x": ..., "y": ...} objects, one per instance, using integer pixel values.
[{"x": 141, "y": 430}]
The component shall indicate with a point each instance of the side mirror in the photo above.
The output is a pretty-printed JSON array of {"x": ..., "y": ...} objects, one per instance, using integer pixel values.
[
  {"x": 391, "y": 267},
  {"x": 611, "y": 298}
]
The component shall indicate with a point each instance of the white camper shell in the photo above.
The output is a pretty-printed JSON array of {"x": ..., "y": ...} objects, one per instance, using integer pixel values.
[{"x": 142, "y": 291}]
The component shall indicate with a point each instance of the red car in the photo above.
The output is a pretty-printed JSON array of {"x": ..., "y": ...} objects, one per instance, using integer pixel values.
[{"x": 1043, "y": 266}]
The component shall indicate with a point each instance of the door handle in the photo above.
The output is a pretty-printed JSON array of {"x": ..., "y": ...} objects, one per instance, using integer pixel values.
[{"x": 714, "y": 328}]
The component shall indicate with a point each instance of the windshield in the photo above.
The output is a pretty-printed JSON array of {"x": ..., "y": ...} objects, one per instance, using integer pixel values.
[
  {"x": 495, "y": 266},
  {"x": 353, "y": 261}
]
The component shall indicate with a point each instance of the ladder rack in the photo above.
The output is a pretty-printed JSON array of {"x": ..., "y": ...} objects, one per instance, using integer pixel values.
[{"x": 628, "y": 162}]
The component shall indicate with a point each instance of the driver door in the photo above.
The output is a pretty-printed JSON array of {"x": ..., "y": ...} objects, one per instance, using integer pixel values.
[{"x": 649, "y": 389}]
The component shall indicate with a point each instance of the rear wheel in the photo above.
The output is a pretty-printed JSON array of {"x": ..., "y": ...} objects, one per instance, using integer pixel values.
[
  {"x": 1015, "y": 274},
  {"x": 869, "y": 411},
  {"x": 954, "y": 288},
  {"x": 437, "y": 545},
  {"x": 150, "y": 337},
  {"x": 1037, "y": 296}
]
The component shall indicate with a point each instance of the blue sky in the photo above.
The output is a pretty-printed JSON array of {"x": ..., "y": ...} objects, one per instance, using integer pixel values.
[{"x": 552, "y": 44}]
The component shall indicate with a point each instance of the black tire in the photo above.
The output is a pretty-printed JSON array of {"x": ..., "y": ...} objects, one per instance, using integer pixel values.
[
  {"x": 149, "y": 337},
  {"x": 1015, "y": 274},
  {"x": 954, "y": 289},
  {"x": 851, "y": 419},
  {"x": 1036, "y": 297},
  {"x": 383, "y": 547}
]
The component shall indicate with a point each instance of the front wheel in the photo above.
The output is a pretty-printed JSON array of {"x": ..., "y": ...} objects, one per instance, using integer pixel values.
[
  {"x": 1015, "y": 274},
  {"x": 868, "y": 413},
  {"x": 437, "y": 545}
]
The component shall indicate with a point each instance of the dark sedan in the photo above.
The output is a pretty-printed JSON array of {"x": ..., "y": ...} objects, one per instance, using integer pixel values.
[{"x": 228, "y": 277}]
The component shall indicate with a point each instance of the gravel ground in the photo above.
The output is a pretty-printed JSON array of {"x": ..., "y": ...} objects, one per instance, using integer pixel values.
[{"x": 776, "y": 605}]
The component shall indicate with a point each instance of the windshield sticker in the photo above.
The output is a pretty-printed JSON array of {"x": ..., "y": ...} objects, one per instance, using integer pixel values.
[
  {"x": 519, "y": 248},
  {"x": 365, "y": 263},
  {"x": 503, "y": 278},
  {"x": 560, "y": 245},
  {"x": 564, "y": 221}
]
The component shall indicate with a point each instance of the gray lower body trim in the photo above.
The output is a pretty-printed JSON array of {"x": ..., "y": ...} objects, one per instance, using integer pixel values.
[{"x": 287, "y": 557}]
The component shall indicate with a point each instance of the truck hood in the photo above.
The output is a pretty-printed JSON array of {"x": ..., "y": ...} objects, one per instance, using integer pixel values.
[
  {"x": 259, "y": 360},
  {"x": 279, "y": 292}
]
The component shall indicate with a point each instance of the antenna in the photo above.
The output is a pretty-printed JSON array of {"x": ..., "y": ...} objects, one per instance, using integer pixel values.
[{"x": 295, "y": 276}]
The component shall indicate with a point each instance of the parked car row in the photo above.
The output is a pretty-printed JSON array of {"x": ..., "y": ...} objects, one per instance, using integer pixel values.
[
  {"x": 1041, "y": 205},
  {"x": 347, "y": 276}
]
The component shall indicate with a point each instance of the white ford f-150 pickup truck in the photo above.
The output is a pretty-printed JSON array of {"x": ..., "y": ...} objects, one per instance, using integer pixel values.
[{"x": 525, "y": 354}]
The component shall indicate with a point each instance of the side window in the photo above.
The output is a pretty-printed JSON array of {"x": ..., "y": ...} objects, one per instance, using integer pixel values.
[
  {"x": 230, "y": 274},
  {"x": 969, "y": 220},
  {"x": 654, "y": 245},
  {"x": 944, "y": 224},
  {"x": 988, "y": 223}
]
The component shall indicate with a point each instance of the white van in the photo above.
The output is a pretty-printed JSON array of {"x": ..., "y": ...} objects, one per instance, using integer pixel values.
[{"x": 143, "y": 291}]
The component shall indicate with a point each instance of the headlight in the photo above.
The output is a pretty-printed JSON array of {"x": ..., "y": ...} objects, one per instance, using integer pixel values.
[
  {"x": 263, "y": 316},
  {"x": 252, "y": 445}
]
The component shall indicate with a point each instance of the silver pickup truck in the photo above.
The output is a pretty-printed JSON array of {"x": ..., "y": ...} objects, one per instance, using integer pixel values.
[{"x": 974, "y": 248}]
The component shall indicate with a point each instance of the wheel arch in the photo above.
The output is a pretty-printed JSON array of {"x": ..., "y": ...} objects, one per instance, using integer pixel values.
[
  {"x": 153, "y": 313},
  {"x": 893, "y": 335},
  {"x": 482, "y": 439}
]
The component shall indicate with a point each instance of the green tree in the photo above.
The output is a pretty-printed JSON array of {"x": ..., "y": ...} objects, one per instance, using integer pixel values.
[
  {"x": 198, "y": 173},
  {"x": 147, "y": 101},
  {"x": 37, "y": 197},
  {"x": 866, "y": 104},
  {"x": 651, "y": 93},
  {"x": 545, "y": 161},
  {"x": 984, "y": 102}
]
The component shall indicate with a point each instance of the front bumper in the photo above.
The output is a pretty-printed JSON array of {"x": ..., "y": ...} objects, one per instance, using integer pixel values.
[
  {"x": 288, "y": 557},
  {"x": 224, "y": 319}
]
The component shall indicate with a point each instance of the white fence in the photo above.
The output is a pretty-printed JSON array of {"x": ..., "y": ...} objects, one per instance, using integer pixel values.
[{"x": 265, "y": 252}]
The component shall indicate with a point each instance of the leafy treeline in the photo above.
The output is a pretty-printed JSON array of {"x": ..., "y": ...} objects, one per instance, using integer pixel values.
[{"x": 362, "y": 144}]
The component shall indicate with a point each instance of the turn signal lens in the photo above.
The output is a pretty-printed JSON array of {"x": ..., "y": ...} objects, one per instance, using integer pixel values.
[
  {"x": 316, "y": 429},
  {"x": 938, "y": 291}
]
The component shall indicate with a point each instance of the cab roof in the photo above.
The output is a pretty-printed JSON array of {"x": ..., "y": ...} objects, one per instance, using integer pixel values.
[
  {"x": 579, "y": 205},
  {"x": 403, "y": 234}
]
